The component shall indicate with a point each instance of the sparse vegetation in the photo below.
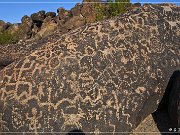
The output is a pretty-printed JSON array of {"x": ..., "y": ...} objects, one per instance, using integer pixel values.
[
  {"x": 32, "y": 26},
  {"x": 7, "y": 37},
  {"x": 100, "y": 11},
  {"x": 110, "y": 8},
  {"x": 119, "y": 7}
]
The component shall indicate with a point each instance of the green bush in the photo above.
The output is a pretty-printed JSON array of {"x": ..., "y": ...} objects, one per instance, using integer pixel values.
[
  {"x": 7, "y": 38},
  {"x": 119, "y": 7},
  {"x": 100, "y": 11},
  {"x": 111, "y": 8}
]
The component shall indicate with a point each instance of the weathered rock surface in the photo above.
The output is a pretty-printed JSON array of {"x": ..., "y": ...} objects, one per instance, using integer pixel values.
[
  {"x": 47, "y": 28},
  {"x": 74, "y": 22},
  {"x": 25, "y": 28},
  {"x": 88, "y": 12},
  {"x": 51, "y": 14},
  {"x": 76, "y": 11},
  {"x": 103, "y": 77},
  {"x": 27, "y": 20},
  {"x": 13, "y": 52},
  {"x": 39, "y": 16}
]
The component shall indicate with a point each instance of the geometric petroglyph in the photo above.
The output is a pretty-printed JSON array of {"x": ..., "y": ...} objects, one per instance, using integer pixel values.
[
  {"x": 3, "y": 124},
  {"x": 96, "y": 78},
  {"x": 17, "y": 119},
  {"x": 34, "y": 124},
  {"x": 156, "y": 45}
]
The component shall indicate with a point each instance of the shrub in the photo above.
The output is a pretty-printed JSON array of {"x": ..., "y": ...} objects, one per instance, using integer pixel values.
[
  {"x": 7, "y": 37},
  {"x": 118, "y": 7},
  {"x": 110, "y": 8},
  {"x": 100, "y": 11}
]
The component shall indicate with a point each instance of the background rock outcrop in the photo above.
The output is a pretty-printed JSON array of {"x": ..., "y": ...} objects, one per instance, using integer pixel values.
[
  {"x": 3, "y": 26},
  {"x": 41, "y": 24},
  {"x": 38, "y": 17}
]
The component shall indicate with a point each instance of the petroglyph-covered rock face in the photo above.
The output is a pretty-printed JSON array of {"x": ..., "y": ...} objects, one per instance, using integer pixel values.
[{"x": 103, "y": 77}]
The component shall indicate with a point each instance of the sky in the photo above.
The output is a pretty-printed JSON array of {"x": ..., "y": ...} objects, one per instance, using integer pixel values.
[{"x": 13, "y": 10}]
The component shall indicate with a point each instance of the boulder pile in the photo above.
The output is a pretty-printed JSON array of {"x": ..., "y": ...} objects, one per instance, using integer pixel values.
[{"x": 41, "y": 24}]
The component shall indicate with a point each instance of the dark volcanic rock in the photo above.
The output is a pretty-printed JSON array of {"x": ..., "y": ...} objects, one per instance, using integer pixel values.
[
  {"x": 27, "y": 20},
  {"x": 26, "y": 27},
  {"x": 74, "y": 22},
  {"x": 87, "y": 10},
  {"x": 137, "y": 4},
  {"x": 103, "y": 77},
  {"x": 25, "y": 31},
  {"x": 1, "y": 67},
  {"x": 39, "y": 16},
  {"x": 50, "y": 14},
  {"x": 47, "y": 28},
  {"x": 76, "y": 11},
  {"x": 35, "y": 30},
  {"x": 63, "y": 14}
]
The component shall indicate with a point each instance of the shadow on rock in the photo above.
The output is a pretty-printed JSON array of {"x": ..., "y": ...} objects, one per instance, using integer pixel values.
[
  {"x": 76, "y": 132},
  {"x": 162, "y": 121},
  {"x": 161, "y": 116}
]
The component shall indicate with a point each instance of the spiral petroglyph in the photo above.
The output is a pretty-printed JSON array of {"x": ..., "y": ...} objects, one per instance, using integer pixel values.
[{"x": 156, "y": 44}]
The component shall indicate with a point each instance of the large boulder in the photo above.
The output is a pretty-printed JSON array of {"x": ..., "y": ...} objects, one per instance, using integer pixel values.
[
  {"x": 104, "y": 77},
  {"x": 39, "y": 16},
  {"x": 27, "y": 20},
  {"x": 74, "y": 22},
  {"x": 49, "y": 19},
  {"x": 26, "y": 27},
  {"x": 46, "y": 29},
  {"x": 87, "y": 10},
  {"x": 76, "y": 11},
  {"x": 48, "y": 26},
  {"x": 50, "y": 14},
  {"x": 59, "y": 21},
  {"x": 25, "y": 31},
  {"x": 63, "y": 14},
  {"x": 137, "y": 4}
]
